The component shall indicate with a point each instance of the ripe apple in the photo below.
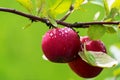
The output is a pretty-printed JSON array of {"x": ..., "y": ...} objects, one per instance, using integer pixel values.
[
  {"x": 82, "y": 68},
  {"x": 61, "y": 45}
]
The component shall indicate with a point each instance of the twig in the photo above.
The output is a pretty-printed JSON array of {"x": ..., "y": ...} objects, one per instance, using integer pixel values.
[
  {"x": 68, "y": 13},
  {"x": 33, "y": 18},
  {"x": 46, "y": 21},
  {"x": 82, "y": 24}
]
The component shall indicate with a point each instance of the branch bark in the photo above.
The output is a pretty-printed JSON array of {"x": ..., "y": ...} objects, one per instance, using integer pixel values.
[{"x": 60, "y": 22}]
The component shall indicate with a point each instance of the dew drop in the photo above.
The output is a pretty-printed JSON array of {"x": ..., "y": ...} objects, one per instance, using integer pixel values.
[
  {"x": 51, "y": 34},
  {"x": 66, "y": 31}
]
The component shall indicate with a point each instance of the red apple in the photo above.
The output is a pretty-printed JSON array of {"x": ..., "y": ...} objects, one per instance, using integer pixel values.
[
  {"x": 61, "y": 45},
  {"x": 82, "y": 68}
]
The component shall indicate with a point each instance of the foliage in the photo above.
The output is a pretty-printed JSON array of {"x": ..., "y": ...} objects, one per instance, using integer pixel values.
[{"x": 52, "y": 9}]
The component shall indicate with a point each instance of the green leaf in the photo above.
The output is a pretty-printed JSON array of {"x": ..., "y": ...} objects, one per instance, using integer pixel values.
[
  {"x": 106, "y": 7},
  {"x": 54, "y": 23},
  {"x": 98, "y": 59},
  {"x": 116, "y": 4},
  {"x": 40, "y": 6},
  {"x": 103, "y": 60},
  {"x": 78, "y": 3},
  {"x": 96, "y": 31},
  {"x": 117, "y": 17},
  {"x": 60, "y": 7},
  {"x": 112, "y": 14},
  {"x": 89, "y": 58},
  {"x": 28, "y": 25},
  {"x": 51, "y": 18},
  {"x": 115, "y": 9},
  {"x": 27, "y": 4},
  {"x": 112, "y": 29}
]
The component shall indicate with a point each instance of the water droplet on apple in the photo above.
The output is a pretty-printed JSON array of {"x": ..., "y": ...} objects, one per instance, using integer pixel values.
[
  {"x": 51, "y": 34},
  {"x": 66, "y": 31}
]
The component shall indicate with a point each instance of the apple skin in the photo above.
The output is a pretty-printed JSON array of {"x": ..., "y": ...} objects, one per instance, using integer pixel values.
[
  {"x": 82, "y": 68},
  {"x": 61, "y": 45},
  {"x": 93, "y": 45}
]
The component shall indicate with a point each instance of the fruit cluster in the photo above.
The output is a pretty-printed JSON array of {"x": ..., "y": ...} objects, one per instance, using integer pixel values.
[{"x": 62, "y": 45}]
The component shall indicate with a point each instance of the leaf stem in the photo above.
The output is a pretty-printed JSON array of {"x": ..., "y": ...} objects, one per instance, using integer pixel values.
[{"x": 60, "y": 22}]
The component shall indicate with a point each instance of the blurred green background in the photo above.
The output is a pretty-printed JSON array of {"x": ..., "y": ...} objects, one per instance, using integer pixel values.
[{"x": 20, "y": 50}]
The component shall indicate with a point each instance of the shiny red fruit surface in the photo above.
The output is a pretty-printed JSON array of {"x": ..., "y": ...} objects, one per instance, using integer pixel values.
[
  {"x": 61, "y": 45},
  {"x": 82, "y": 68}
]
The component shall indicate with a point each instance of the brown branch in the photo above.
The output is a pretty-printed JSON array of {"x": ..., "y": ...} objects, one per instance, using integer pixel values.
[
  {"x": 83, "y": 24},
  {"x": 46, "y": 21},
  {"x": 33, "y": 18}
]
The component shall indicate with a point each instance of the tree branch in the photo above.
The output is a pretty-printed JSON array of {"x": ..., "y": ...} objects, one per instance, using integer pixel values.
[
  {"x": 23, "y": 14},
  {"x": 46, "y": 21}
]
